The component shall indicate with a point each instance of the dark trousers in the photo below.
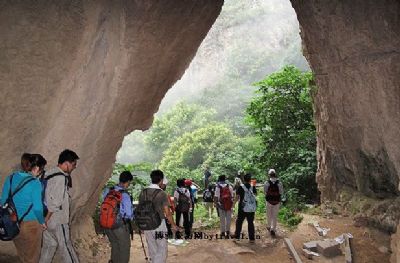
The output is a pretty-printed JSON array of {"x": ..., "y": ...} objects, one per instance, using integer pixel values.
[
  {"x": 186, "y": 223},
  {"x": 120, "y": 244},
  {"x": 250, "y": 222}
]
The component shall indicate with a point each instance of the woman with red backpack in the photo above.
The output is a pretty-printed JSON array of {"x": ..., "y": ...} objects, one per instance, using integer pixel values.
[{"x": 224, "y": 202}]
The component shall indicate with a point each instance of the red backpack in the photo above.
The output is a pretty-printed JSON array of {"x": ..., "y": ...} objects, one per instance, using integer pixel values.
[
  {"x": 109, "y": 209},
  {"x": 225, "y": 197}
]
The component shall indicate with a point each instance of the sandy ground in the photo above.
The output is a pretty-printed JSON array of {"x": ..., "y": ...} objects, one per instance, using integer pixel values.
[{"x": 366, "y": 242}]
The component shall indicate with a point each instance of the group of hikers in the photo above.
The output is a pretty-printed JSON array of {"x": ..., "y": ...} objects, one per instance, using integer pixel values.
[
  {"x": 35, "y": 209},
  {"x": 154, "y": 212}
]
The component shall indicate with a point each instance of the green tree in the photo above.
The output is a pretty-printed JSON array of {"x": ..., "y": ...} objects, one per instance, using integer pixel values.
[
  {"x": 180, "y": 119},
  {"x": 282, "y": 115}
]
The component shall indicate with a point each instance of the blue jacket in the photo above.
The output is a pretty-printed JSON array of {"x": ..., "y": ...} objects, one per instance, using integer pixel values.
[
  {"x": 126, "y": 208},
  {"x": 31, "y": 193}
]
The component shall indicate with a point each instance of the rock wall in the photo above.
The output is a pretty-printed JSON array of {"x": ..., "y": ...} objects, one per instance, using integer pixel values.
[
  {"x": 83, "y": 74},
  {"x": 353, "y": 49}
]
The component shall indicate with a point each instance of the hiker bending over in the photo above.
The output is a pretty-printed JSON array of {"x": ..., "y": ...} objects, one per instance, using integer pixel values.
[
  {"x": 224, "y": 202},
  {"x": 25, "y": 191},
  {"x": 116, "y": 214},
  {"x": 57, "y": 198},
  {"x": 273, "y": 191},
  {"x": 246, "y": 194},
  {"x": 150, "y": 216},
  {"x": 183, "y": 207}
]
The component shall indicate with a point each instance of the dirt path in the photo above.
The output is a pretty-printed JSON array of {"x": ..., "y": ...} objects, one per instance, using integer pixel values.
[{"x": 369, "y": 246}]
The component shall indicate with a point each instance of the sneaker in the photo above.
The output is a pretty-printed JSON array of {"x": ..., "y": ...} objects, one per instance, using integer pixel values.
[{"x": 273, "y": 233}]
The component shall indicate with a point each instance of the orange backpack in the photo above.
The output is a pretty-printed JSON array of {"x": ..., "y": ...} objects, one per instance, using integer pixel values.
[{"x": 109, "y": 211}]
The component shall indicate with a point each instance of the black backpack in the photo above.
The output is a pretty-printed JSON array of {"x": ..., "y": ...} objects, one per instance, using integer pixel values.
[
  {"x": 183, "y": 202},
  {"x": 208, "y": 196},
  {"x": 146, "y": 215},
  {"x": 9, "y": 219}
]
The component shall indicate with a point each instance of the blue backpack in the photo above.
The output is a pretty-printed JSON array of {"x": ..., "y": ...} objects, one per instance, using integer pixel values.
[
  {"x": 9, "y": 219},
  {"x": 44, "y": 181}
]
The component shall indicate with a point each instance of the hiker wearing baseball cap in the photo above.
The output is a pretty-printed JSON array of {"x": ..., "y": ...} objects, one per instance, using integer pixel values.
[{"x": 273, "y": 191}]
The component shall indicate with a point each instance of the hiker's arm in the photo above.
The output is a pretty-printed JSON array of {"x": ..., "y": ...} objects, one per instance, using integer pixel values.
[
  {"x": 55, "y": 191},
  {"x": 37, "y": 201},
  {"x": 168, "y": 215},
  {"x": 126, "y": 206},
  {"x": 6, "y": 189},
  {"x": 280, "y": 186},
  {"x": 266, "y": 186}
]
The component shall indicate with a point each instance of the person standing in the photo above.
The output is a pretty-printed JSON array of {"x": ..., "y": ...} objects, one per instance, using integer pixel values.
[
  {"x": 183, "y": 206},
  {"x": 207, "y": 175},
  {"x": 28, "y": 203},
  {"x": 156, "y": 243},
  {"x": 245, "y": 194},
  {"x": 119, "y": 235},
  {"x": 224, "y": 202},
  {"x": 57, "y": 197},
  {"x": 273, "y": 190},
  {"x": 208, "y": 200}
]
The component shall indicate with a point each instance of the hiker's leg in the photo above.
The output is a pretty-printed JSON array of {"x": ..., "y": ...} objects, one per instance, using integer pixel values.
[
  {"x": 28, "y": 241},
  {"x": 161, "y": 246},
  {"x": 65, "y": 245},
  {"x": 186, "y": 224},
  {"x": 222, "y": 219},
  {"x": 177, "y": 221},
  {"x": 250, "y": 223},
  {"x": 239, "y": 223},
  {"x": 269, "y": 215},
  {"x": 151, "y": 243},
  {"x": 228, "y": 221},
  {"x": 49, "y": 245},
  {"x": 121, "y": 245},
  {"x": 275, "y": 210},
  {"x": 112, "y": 237}
]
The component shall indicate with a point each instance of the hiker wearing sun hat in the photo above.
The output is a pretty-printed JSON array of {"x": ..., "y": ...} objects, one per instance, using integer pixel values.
[{"x": 273, "y": 191}]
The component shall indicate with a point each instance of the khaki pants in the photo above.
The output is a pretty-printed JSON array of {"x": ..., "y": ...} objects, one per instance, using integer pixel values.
[
  {"x": 28, "y": 241},
  {"x": 210, "y": 208},
  {"x": 272, "y": 215},
  {"x": 120, "y": 244}
]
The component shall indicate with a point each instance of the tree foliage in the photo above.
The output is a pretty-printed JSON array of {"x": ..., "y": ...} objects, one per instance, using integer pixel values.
[{"x": 282, "y": 116}]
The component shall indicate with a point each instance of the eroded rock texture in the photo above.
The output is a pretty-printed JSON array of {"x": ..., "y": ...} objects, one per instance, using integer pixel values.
[
  {"x": 353, "y": 49},
  {"x": 83, "y": 74}
]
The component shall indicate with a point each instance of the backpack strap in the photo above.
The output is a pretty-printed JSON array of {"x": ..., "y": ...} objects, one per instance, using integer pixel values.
[
  {"x": 53, "y": 175},
  {"x": 27, "y": 212},
  {"x": 19, "y": 186}
]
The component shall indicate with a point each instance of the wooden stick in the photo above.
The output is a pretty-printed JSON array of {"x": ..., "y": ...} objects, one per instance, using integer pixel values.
[{"x": 292, "y": 251}]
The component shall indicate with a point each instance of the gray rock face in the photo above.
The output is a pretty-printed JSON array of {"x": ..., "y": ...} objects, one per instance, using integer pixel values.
[
  {"x": 353, "y": 49},
  {"x": 83, "y": 74}
]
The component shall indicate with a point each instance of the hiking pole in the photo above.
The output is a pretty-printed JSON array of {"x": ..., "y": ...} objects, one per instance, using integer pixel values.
[{"x": 144, "y": 250}]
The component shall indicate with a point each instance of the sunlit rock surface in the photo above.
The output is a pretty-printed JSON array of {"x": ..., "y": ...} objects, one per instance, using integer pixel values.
[{"x": 353, "y": 49}]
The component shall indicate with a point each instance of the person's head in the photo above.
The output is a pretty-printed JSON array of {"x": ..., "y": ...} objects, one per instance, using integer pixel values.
[
  {"x": 156, "y": 177},
  {"x": 125, "y": 178},
  {"x": 67, "y": 161},
  {"x": 36, "y": 164},
  {"x": 247, "y": 178},
  {"x": 272, "y": 173},
  {"x": 221, "y": 178},
  {"x": 180, "y": 182},
  {"x": 188, "y": 182},
  {"x": 25, "y": 165}
]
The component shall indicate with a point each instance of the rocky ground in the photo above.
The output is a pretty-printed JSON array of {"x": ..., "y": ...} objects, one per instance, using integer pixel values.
[{"x": 369, "y": 245}]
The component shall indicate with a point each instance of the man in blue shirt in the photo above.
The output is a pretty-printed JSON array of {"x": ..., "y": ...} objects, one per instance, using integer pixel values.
[{"x": 119, "y": 237}]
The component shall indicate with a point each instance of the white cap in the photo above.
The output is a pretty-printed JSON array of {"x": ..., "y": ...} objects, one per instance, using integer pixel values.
[
  {"x": 271, "y": 171},
  {"x": 165, "y": 180}
]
